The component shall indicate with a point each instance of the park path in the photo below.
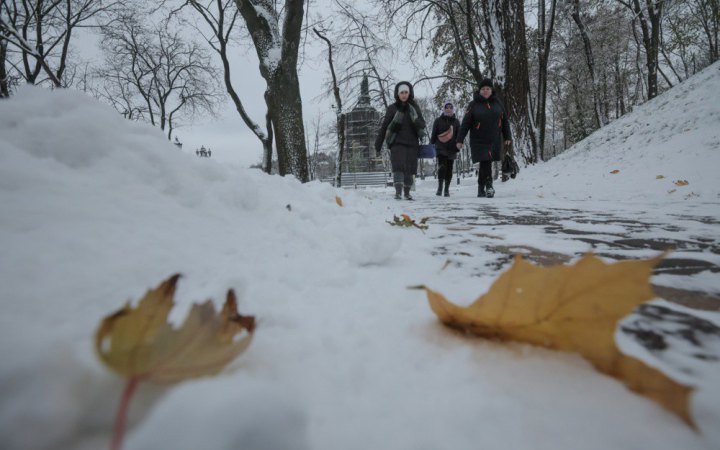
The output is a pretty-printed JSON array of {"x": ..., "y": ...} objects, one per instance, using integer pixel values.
[{"x": 480, "y": 235}]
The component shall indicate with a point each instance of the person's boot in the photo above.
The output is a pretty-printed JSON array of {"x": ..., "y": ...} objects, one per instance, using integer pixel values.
[
  {"x": 447, "y": 189},
  {"x": 407, "y": 193},
  {"x": 398, "y": 191},
  {"x": 489, "y": 191},
  {"x": 481, "y": 190},
  {"x": 440, "y": 186}
]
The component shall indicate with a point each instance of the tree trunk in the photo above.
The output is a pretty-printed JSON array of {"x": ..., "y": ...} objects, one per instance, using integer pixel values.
[
  {"x": 285, "y": 109},
  {"x": 619, "y": 91},
  {"x": 544, "y": 39},
  {"x": 590, "y": 59},
  {"x": 709, "y": 14},
  {"x": 542, "y": 79},
  {"x": 341, "y": 149},
  {"x": 278, "y": 54},
  {"x": 340, "y": 115},
  {"x": 649, "y": 18},
  {"x": 4, "y": 88},
  {"x": 222, "y": 26},
  {"x": 267, "y": 145},
  {"x": 514, "y": 83}
]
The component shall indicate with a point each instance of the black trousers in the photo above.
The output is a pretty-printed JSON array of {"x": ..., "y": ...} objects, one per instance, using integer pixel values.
[
  {"x": 485, "y": 176},
  {"x": 445, "y": 168}
]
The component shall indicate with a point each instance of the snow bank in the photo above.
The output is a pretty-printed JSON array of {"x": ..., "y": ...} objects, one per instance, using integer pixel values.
[
  {"x": 673, "y": 137},
  {"x": 95, "y": 209}
]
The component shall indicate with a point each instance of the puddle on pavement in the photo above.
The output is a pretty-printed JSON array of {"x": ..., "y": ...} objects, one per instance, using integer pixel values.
[
  {"x": 532, "y": 254},
  {"x": 691, "y": 299},
  {"x": 604, "y": 244}
]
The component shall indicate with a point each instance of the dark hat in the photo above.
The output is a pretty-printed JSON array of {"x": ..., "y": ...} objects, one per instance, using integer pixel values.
[{"x": 486, "y": 82}]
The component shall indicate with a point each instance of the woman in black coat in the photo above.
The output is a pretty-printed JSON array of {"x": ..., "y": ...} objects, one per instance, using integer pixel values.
[
  {"x": 444, "y": 134},
  {"x": 487, "y": 123},
  {"x": 402, "y": 129}
]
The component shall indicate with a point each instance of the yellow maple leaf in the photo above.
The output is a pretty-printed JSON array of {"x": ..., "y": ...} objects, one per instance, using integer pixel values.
[
  {"x": 338, "y": 200},
  {"x": 140, "y": 343},
  {"x": 681, "y": 182},
  {"x": 570, "y": 308},
  {"x": 615, "y": 171}
]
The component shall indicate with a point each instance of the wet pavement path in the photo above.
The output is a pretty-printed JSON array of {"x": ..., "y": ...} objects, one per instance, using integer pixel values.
[
  {"x": 481, "y": 236},
  {"x": 504, "y": 228}
]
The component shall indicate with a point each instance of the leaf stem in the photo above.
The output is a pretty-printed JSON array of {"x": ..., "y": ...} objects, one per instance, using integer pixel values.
[{"x": 121, "y": 415}]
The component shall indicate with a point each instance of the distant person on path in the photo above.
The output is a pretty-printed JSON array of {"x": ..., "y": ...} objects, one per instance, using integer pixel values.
[
  {"x": 444, "y": 133},
  {"x": 402, "y": 129},
  {"x": 487, "y": 122}
]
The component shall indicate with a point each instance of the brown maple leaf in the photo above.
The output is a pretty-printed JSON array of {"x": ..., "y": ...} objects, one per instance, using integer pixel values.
[
  {"x": 406, "y": 221},
  {"x": 139, "y": 344},
  {"x": 571, "y": 308}
]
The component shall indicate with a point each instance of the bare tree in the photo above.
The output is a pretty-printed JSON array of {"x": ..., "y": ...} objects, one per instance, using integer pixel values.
[
  {"x": 689, "y": 37},
  {"x": 544, "y": 33},
  {"x": 221, "y": 16},
  {"x": 339, "y": 113},
  {"x": 155, "y": 75},
  {"x": 277, "y": 50},
  {"x": 708, "y": 12},
  {"x": 41, "y": 31},
  {"x": 4, "y": 77},
  {"x": 590, "y": 60},
  {"x": 360, "y": 49},
  {"x": 649, "y": 16},
  {"x": 314, "y": 158}
]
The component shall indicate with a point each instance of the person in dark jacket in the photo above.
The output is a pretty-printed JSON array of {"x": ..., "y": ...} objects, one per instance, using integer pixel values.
[
  {"x": 444, "y": 134},
  {"x": 487, "y": 123},
  {"x": 402, "y": 129}
]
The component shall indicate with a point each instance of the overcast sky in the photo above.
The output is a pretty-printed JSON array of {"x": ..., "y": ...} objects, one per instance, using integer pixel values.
[{"x": 226, "y": 134}]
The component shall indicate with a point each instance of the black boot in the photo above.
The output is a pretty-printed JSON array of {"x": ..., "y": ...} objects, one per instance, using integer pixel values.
[
  {"x": 447, "y": 188},
  {"x": 481, "y": 190},
  {"x": 398, "y": 191},
  {"x": 440, "y": 186},
  {"x": 489, "y": 191},
  {"x": 407, "y": 193}
]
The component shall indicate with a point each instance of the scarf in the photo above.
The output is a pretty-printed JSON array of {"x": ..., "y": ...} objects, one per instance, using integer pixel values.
[{"x": 396, "y": 123}]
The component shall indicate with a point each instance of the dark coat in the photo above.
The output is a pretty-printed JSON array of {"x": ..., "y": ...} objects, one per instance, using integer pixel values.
[
  {"x": 407, "y": 134},
  {"x": 487, "y": 123},
  {"x": 442, "y": 124}
]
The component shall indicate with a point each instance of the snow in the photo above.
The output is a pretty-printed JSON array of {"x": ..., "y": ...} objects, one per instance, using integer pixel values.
[
  {"x": 272, "y": 47},
  {"x": 675, "y": 136},
  {"x": 96, "y": 209}
]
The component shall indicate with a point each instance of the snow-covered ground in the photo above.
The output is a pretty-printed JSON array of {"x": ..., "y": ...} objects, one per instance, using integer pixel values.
[{"x": 94, "y": 210}]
